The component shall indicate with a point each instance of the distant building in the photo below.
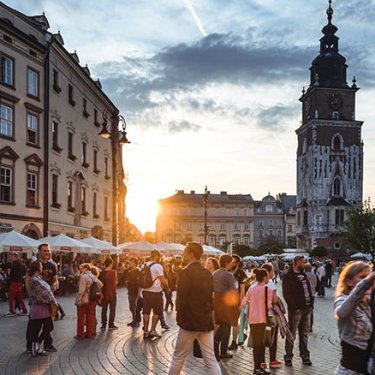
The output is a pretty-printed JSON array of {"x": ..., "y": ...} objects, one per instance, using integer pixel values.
[
  {"x": 229, "y": 218},
  {"x": 57, "y": 174},
  {"x": 275, "y": 218},
  {"x": 330, "y": 148}
]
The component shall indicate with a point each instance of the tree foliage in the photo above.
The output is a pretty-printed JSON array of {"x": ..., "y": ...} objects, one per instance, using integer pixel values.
[
  {"x": 359, "y": 234},
  {"x": 270, "y": 245},
  {"x": 243, "y": 250},
  {"x": 319, "y": 251}
]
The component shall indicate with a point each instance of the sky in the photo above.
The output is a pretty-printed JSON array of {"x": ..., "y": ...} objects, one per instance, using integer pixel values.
[{"x": 210, "y": 88}]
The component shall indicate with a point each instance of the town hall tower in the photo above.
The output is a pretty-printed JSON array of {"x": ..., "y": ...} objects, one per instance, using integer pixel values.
[{"x": 330, "y": 148}]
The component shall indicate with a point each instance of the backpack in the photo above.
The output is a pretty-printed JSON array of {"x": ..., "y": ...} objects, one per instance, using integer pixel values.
[
  {"x": 94, "y": 292},
  {"x": 145, "y": 278}
]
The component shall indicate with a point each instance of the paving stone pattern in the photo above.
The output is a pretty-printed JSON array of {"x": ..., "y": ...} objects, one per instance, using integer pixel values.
[{"x": 125, "y": 352}]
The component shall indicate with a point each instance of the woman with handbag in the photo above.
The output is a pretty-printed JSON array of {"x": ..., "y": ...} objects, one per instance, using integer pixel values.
[
  {"x": 353, "y": 315},
  {"x": 85, "y": 306},
  {"x": 260, "y": 301}
]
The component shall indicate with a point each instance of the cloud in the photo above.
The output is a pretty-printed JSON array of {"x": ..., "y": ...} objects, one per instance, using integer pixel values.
[
  {"x": 184, "y": 125},
  {"x": 274, "y": 118}
]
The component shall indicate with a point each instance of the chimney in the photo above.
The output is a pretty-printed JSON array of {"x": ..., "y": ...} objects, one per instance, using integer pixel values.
[
  {"x": 223, "y": 193},
  {"x": 192, "y": 192}
]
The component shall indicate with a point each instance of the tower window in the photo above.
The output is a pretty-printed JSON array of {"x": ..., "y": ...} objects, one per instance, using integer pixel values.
[
  {"x": 337, "y": 187},
  {"x": 337, "y": 142},
  {"x": 335, "y": 116}
]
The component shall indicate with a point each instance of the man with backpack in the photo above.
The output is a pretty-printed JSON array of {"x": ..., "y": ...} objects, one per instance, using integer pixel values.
[{"x": 152, "y": 281}]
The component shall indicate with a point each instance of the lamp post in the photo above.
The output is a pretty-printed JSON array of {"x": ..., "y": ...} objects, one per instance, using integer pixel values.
[
  {"x": 118, "y": 137},
  {"x": 205, "y": 201}
]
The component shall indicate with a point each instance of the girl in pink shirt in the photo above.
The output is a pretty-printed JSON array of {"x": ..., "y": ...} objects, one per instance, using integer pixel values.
[{"x": 255, "y": 297}]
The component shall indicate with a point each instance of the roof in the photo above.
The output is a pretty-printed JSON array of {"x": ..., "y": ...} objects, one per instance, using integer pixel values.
[{"x": 182, "y": 197}]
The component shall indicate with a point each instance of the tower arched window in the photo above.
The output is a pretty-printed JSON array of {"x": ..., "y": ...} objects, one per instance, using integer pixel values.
[
  {"x": 337, "y": 142},
  {"x": 337, "y": 187}
]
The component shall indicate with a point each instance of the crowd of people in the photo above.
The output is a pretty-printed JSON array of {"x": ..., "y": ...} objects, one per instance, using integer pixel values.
[{"x": 216, "y": 300}]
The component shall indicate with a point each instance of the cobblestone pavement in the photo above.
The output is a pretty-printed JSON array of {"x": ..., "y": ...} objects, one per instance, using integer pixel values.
[{"x": 124, "y": 352}]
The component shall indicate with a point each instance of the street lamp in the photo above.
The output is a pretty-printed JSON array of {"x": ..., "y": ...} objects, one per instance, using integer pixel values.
[
  {"x": 205, "y": 201},
  {"x": 118, "y": 137},
  {"x": 105, "y": 133}
]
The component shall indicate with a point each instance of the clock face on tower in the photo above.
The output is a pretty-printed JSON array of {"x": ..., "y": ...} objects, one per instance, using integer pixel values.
[{"x": 335, "y": 101}]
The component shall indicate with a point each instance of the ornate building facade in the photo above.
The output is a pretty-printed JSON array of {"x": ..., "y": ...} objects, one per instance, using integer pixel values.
[
  {"x": 57, "y": 174},
  {"x": 330, "y": 148},
  {"x": 181, "y": 217}
]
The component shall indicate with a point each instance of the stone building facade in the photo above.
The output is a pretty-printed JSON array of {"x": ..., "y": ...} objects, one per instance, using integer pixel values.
[
  {"x": 273, "y": 218},
  {"x": 57, "y": 174},
  {"x": 330, "y": 148},
  {"x": 181, "y": 217}
]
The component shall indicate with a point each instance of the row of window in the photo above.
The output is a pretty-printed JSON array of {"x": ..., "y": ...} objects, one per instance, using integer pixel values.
[
  {"x": 339, "y": 217},
  {"x": 7, "y": 185},
  {"x": 271, "y": 233},
  {"x": 212, "y": 211},
  {"x": 84, "y": 156},
  {"x": 7, "y": 124},
  {"x": 271, "y": 222},
  {"x": 71, "y": 97},
  {"x": 32, "y": 192},
  {"x": 83, "y": 199},
  {"x": 7, "y": 76}
]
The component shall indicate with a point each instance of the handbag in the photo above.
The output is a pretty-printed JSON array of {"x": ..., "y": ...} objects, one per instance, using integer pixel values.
[{"x": 269, "y": 331}]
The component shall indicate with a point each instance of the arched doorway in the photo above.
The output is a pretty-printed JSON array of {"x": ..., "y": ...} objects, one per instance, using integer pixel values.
[{"x": 32, "y": 231}]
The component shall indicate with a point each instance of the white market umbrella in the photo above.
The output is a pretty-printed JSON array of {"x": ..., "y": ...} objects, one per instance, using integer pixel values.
[
  {"x": 17, "y": 242},
  {"x": 66, "y": 244},
  {"x": 170, "y": 249},
  {"x": 99, "y": 246},
  {"x": 139, "y": 248},
  {"x": 360, "y": 255}
]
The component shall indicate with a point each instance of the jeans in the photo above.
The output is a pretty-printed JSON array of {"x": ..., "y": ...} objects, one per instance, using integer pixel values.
[
  {"x": 299, "y": 319},
  {"x": 222, "y": 337},
  {"x": 185, "y": 341},
  {"x": 112, "y": 312}
]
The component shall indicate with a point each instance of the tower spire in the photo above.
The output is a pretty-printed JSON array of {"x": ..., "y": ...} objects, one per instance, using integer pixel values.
[{"x": 329, "y": 11}]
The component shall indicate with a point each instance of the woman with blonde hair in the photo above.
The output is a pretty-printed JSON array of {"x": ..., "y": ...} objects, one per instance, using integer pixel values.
[
  {"x": 353, "y": 315},
  {"x": 85, "y": 306}
]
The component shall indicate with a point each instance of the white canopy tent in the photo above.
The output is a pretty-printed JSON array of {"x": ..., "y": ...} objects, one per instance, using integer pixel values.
[
  {"x": 210, "y": 250},
  {"x": 100, "y": 247},
  {"x": 17, "y": 242},
  {"x": 66, "y": 244},
  {"x": 142, "y": 248}
]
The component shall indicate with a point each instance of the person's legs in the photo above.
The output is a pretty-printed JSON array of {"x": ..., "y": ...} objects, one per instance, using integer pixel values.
[
  {"x": 138, "y": 317},
  {"x": 273, "y": 348},
  {"x": 46, "y": 333},
  {"x": 257, "y": 332},
  {"x": 146, "y": 311},
  {"x": 206, "y": 340},
  {"x": 19, "y": 298},
  {"x": 90, "y": 319},
  {"x": 81, "y": 312},
  {"x": 132, "y": 306},
  {"x": 12, "y": 294},
  {"x": 303, "y": 332},
  {"x": 293, "y": 319},
  {"x": 104, "y": 312},
  {"x": 157, "y": 307},
  {"x": 183, "y": 344},
  {"x": 225, "y": 338},
  {"x": 112, "y": 312}
]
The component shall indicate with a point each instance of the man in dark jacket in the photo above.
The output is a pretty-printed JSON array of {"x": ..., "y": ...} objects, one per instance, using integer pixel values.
[
  {"x": 298, "y": 296},
  {"x": 17, "y": 273},
  {"x": 194, "y": 311}
]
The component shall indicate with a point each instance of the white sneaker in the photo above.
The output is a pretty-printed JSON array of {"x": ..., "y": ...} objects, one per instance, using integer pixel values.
[{"x": 9, "y": 314}]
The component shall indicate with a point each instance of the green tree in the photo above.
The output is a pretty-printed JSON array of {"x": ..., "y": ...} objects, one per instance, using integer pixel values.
[
  {"x": 243, "y": 250},
  {"x": 359, "y": 229},
  {"x": 319, "y": 251},
  {"x": 270, "y": 245}
]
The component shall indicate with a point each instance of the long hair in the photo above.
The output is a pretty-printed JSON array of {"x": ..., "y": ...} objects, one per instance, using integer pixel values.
[{"x": 350, "y": 270}]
